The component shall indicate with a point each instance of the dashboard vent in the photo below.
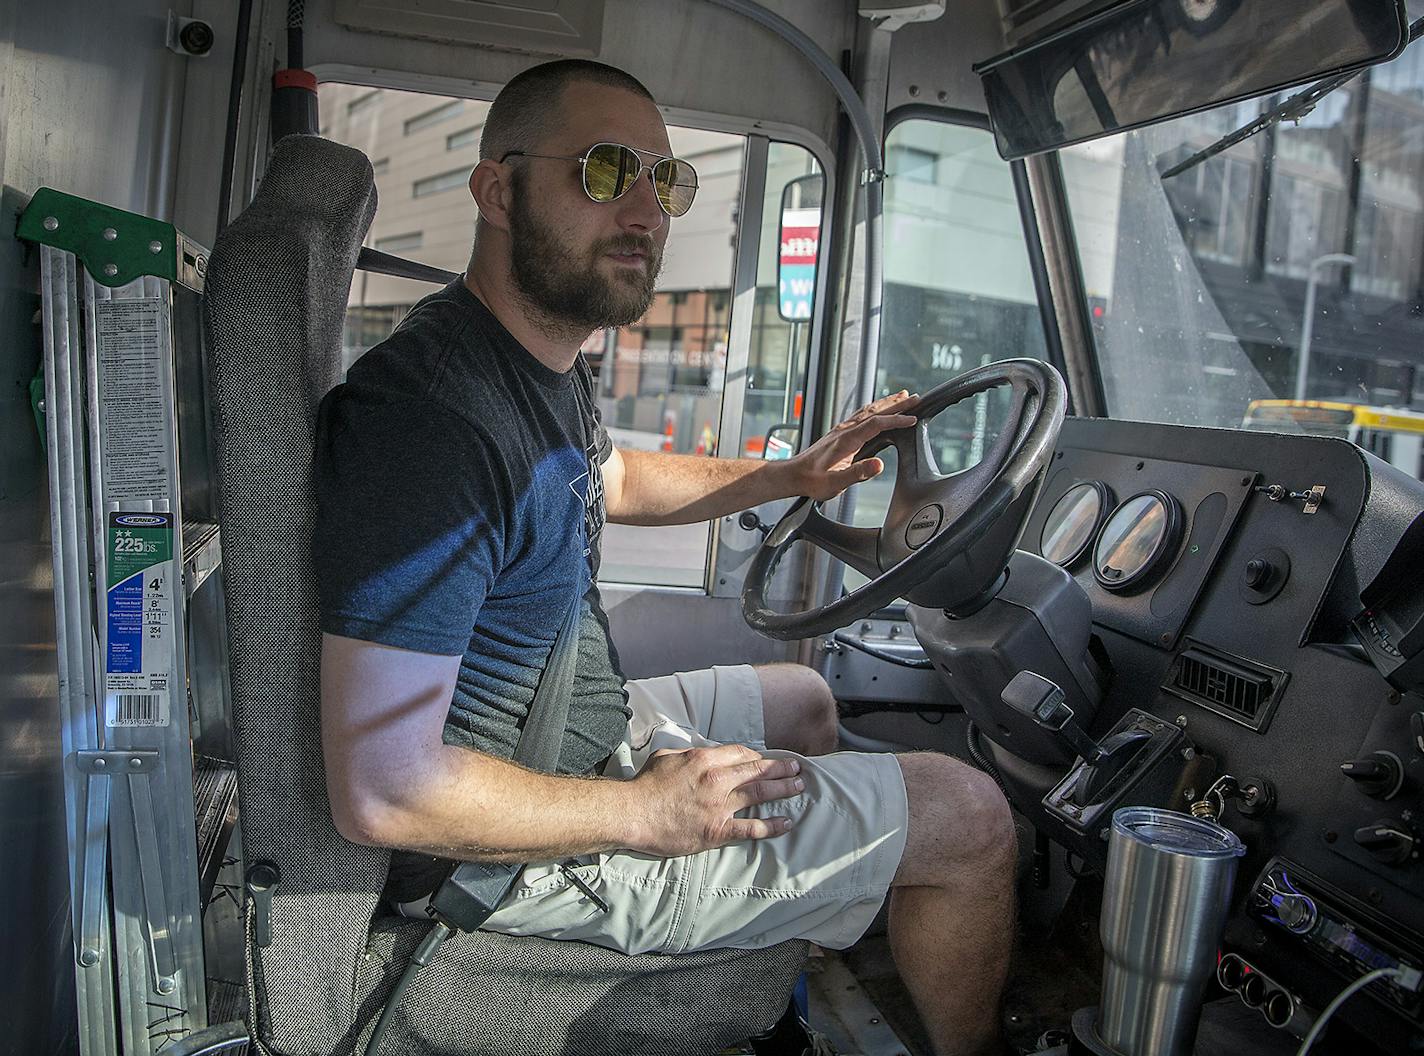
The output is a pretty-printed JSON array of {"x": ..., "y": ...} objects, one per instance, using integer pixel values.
[{"x": 1239, "y": 689}]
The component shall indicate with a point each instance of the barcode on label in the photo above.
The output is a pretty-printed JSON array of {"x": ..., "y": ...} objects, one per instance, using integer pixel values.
[{"x": 138, "y": 709}]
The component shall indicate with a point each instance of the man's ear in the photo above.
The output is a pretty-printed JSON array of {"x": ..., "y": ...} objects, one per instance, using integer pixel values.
[{"x": 490, "y": 186}]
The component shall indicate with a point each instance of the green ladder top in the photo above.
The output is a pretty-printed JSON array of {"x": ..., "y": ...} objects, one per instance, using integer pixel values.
[{"x": 116, "y": 246}]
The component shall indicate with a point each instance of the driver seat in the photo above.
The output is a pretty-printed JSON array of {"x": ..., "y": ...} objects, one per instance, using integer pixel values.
[{"x": 277, "y": 287}]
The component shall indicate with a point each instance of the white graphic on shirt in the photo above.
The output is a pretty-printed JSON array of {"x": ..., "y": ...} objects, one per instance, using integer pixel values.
[{"x": 588, "y": 486}]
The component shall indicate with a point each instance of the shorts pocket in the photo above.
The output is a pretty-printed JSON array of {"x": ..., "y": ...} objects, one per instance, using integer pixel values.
[{"x": 550, "y": 900}]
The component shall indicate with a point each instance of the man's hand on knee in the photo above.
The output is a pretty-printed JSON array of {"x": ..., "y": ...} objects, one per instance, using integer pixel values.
[{"x": 687, "y": 800}]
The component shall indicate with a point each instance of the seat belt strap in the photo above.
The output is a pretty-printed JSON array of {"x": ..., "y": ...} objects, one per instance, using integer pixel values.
[{"x": 474, "y": 890}]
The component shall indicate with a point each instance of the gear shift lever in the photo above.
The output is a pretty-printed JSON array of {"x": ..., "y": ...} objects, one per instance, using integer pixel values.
[{"x": 1045, "y": 703}]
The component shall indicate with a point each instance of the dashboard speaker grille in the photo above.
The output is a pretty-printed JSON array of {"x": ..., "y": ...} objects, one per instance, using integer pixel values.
[{"x": 1239, "y": 689}]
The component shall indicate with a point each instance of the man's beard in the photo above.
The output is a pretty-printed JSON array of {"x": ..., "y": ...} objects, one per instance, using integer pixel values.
[{"x": 572, "y": 295}]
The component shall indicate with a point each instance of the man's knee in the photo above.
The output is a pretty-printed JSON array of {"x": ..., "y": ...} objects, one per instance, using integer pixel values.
[
  {"x": 959, "y": 819},
  {"x": 798, "y": 709}
]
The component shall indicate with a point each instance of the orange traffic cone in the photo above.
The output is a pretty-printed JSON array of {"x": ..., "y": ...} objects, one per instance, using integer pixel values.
[{"x": 669, "y": 422}]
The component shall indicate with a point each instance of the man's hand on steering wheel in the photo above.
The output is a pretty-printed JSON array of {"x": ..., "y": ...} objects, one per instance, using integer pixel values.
[{"x": 829, "y": 466}]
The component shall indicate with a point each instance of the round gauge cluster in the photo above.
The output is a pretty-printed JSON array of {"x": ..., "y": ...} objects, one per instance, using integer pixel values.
[
  {"x": 1130, "y": 545},
  {"x": 1073, "y": 522}
]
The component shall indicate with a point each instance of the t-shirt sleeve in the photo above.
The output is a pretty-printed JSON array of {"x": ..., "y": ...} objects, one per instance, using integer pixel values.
[{"x": 411, "y": 521}]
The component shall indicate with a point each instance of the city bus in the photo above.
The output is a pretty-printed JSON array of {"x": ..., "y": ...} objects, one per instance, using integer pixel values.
[
  {"x": 1148, "y": 567},
  {"x": 1392, "y": 433}
]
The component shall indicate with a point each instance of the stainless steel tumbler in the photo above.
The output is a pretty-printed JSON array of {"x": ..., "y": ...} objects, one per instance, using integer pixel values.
[{"x": 1165, "y": 901}]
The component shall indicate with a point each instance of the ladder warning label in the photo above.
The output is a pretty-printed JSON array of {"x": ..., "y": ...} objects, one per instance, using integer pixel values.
[
  {"x": 132, "y": 352},
  {"x": 138, "y": 659}
]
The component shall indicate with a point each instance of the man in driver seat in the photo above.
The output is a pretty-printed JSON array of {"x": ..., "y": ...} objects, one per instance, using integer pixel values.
[{"x": 463, "y": 474}]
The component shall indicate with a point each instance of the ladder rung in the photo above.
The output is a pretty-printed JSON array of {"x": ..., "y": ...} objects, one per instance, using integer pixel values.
[
  {"x": 202, "y": 553},
  {"x": 215, "y": 812}
]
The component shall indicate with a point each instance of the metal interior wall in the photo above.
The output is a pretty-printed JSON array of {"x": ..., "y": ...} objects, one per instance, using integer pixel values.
[
  {"x": 931, "y": 61},
  {"x": 693, "y": 57},
  {"x": 93, "y": 104},
  {"x": 206, "y": 87}
]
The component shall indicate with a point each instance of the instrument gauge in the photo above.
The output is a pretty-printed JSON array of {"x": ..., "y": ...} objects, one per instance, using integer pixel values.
[
  {"x": 1069, "y": 528},
  {"x": 1138, "y": 540}
]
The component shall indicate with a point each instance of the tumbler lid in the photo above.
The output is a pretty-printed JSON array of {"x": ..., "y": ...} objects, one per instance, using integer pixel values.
[{"x": 1174, "y": 833}]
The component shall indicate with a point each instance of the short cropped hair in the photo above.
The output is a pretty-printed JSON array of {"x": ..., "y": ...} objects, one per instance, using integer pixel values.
[{"x": 523, "y": 111}]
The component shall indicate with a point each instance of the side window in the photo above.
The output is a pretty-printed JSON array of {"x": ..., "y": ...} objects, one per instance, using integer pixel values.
[{"x": 959, "y": 288}]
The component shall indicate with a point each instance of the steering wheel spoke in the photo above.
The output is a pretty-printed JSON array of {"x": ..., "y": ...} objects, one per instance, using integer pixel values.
[{"x": 857, "y": 547}]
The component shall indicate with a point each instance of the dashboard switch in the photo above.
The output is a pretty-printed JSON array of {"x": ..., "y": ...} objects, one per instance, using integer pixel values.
[
  {"x": 1264, "y": 575},
  {"x": 1416, "y": 731},
  {"x": 1379, "y": 774},
  {"x": 1389, "y": 841},
  {"x": 1257, "y": 572}
]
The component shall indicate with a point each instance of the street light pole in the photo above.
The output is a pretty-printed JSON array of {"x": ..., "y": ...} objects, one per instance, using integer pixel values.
[{"x": 1307, "y": 324}]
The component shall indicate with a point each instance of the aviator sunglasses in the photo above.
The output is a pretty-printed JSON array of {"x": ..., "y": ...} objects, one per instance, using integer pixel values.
[{"x": 611, "y": 169}]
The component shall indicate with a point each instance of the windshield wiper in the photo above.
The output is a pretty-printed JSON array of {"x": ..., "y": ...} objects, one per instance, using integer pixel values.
[{"x": 1293, "y": 109}]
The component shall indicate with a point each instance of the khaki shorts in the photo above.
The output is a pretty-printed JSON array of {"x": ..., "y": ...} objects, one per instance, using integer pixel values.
[{"x": 823, "y": 881}]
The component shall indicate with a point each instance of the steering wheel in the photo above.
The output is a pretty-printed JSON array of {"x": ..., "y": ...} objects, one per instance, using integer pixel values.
[{"x": 947, "y": 538}]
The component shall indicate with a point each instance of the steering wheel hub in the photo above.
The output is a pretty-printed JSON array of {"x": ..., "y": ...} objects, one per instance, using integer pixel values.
[{"x": 924, "y": 525}]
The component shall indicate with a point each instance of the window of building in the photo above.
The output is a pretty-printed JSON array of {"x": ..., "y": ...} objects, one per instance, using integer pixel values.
[
  {"x": 364, "y": 104},
  {"x": 445, "y": 181},
  {"x": 434, "y": 116},
  {"x": 399, "y": 243},
  {"x": 468, "y": 137},
  {"x": 380, "y": 165}
]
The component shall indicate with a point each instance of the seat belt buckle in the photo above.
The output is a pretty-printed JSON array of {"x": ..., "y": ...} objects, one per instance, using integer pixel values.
[{"x": 473, "y": 892}]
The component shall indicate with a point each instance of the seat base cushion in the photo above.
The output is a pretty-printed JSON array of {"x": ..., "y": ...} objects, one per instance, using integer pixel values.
[{"x": 492, "y": 995}]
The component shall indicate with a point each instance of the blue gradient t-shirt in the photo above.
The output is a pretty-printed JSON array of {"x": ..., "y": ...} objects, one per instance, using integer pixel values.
[{"x": 459, "y": 504}]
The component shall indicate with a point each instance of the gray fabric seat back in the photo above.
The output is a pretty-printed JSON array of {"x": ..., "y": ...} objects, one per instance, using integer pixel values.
[{"x": 276, "y": 292}]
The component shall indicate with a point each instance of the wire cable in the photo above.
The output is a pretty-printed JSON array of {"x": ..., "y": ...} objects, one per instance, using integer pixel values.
[
  {"x": 1340, "y": 998},
  {"x": 424, "y": 954},
  {"x": 980, "y": 757},
  {"x": 890, "y": 656}
]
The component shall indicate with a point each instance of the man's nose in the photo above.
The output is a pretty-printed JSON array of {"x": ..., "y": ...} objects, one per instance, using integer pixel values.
[{"x": 640, "y": 209}]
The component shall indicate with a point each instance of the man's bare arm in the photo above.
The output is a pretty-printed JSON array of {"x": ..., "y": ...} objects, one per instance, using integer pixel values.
[
  {"x": 392, "y": 782},
  {"x": 647, "y": 487}
]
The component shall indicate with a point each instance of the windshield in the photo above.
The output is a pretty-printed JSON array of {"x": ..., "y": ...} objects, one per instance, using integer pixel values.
[{"x": 1286, "y": 267}]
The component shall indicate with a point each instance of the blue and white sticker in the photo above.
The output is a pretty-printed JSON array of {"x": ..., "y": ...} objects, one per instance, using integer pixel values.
[{"x": 139, "y": 614}]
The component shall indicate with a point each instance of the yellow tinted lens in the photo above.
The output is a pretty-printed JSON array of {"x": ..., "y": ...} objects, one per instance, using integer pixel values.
[
  {"x": 676, "y": 183},
  {"x": 608, "y": 171}
]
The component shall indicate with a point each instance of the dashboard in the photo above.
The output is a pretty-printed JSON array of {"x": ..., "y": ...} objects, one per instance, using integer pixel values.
[{"x": 1258, "y": 603}]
